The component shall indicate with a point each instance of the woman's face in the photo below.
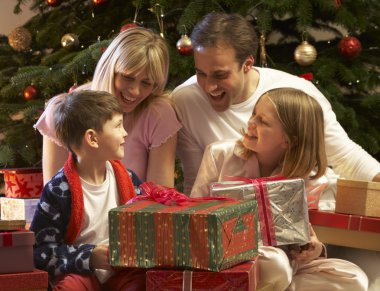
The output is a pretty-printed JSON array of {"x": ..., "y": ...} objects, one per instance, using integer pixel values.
[{"x": 132, "y": 89}]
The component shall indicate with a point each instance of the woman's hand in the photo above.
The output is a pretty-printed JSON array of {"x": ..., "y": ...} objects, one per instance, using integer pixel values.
[
  {"x": 99, "y": 258},
  {"x": 313, "y": 250}
]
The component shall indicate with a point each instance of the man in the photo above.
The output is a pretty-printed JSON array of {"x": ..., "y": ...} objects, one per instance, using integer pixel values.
[{"x": 217, "y": 102}]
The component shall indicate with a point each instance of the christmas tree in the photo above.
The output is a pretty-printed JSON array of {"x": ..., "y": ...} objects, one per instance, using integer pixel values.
[{"x": 333, "y": 43}]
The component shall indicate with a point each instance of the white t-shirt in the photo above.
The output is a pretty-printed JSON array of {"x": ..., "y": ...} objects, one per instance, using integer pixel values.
[
  {"x": 203, "y": 125},
  {"x": 98, "y": 200}
]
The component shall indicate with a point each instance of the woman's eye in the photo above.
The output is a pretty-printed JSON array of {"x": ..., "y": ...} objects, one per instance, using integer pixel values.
[
  {"x": 147, "y": 84},
  {"x": 127, "y": 78}
]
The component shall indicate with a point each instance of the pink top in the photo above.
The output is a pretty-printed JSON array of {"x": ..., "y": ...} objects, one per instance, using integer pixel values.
[{"x": 156, "y": 124}]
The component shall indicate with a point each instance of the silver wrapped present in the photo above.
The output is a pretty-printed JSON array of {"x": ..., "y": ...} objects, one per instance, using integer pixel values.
[{"x": 282, "y": 206}]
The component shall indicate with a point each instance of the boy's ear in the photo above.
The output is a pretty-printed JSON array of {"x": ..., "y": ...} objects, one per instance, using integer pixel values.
[{"x": 91, "y": 138}]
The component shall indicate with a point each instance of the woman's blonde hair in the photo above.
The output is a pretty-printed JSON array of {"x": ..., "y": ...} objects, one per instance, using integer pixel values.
[
  {"x": 302, "y": 120},
  {"x": 134, "y": 50}
]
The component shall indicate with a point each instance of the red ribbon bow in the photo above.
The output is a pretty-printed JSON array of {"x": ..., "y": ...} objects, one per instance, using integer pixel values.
[{"x": 168, "y": 196}]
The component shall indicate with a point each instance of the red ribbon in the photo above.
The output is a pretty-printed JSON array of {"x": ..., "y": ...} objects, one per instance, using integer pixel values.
[
  {"x": 7, "y": 239},
  {"x": 264, "y": 210},
  {"x": 168, "y": 196}
]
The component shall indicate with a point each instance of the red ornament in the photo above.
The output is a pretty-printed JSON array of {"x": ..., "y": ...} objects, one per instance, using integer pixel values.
[
  {"x": 98, "y": 2},
  {"x": 184, "y": 46},
  {"x": 128, "y": 26},
  {"x": 53, "y": 3},
  {"x": 350, "y": 47},
  {"x": 30, "y": 92}
]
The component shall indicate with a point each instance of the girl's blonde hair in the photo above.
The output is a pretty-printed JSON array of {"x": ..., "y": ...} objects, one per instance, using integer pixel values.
[
  {"x": 302, "y": 120},
  {"x": 134, "y": 50}
]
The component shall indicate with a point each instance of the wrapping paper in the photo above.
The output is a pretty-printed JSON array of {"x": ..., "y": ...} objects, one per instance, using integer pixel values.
[
  {"x": 208, "y": 235},
  {"x": 358, "y": 197},
  {"x": 23, "y": 183},
  {"x": 16, "y": 251},
  {"x": 282, "y": 207},
  {"x": 12, "y": 209},
  {"x": 35, "y": 280},
  {"x": 243, "y": 277},
  {"x": 8, "y": 225},
  {"x": 18, "y": 208},
  {"x": 344, "y": 221}
]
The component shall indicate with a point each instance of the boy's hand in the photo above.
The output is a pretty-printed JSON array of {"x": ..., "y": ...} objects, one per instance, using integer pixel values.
[
  {"x": 310, "y": 253},
  {"x": 99, "y": 258}
]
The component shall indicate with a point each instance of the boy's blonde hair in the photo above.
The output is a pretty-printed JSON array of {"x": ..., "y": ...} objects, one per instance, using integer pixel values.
[
  {"x": 134, "y": 50},
  {"x": 82, "y": 110},
  {"x": 302, "y": 119}
]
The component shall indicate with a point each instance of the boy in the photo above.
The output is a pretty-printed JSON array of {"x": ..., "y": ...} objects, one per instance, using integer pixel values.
[{"x": 71, "y": 221}]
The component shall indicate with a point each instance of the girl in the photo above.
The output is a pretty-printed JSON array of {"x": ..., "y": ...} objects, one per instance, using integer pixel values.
[
  {"x": 285, "y": 137},
  {"x": 134, "y": 68}
]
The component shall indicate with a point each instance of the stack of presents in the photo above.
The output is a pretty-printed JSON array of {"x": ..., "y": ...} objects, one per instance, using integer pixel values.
[
  {"x": 22, "y": 191},
  {"x": 194, "y": 244},
  {"x": 356, "y": 219}
]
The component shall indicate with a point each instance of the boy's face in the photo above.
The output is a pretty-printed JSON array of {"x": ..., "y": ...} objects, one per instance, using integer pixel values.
[
  {"x": 221, "y": 76},
  {"x": 111, "y": 140}
]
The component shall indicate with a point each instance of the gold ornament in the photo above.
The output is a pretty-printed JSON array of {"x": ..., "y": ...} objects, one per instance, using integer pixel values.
[
  {"x": 20, "y": 39},
  {"x": 69, "y": 40},
  {"x": 305, "y": 54}
]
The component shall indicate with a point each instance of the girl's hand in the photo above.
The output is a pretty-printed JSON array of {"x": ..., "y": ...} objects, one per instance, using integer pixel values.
[
  {"x": 99, "y": 258},
  {"x": 312, "y": 252}
]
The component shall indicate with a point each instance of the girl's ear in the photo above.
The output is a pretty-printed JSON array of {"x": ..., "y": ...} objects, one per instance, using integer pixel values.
[
  {"x": 91, "y": 138},
  {"x": 293, "y": 142}
]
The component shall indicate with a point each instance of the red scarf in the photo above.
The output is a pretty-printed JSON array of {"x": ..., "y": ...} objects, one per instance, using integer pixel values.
[{"x": 125, "y": 187}]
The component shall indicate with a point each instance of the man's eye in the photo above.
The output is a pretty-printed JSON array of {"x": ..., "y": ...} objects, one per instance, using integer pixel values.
[{"x": 221, "y": 76}]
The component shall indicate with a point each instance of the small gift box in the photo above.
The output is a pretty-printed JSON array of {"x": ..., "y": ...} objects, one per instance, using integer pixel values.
[
  {"x": 18, "y": 208},
  {"x": 210, "y": 235},
  {"x": 35, "y": 280},
  {"x": 23, "y": 182},
  {"x": 12, "y": 209},
  {"x": 358, "y": 197},
  {"x": 242, "y": 277},
  {"x": 16, "y": 251},
  {"x": 282, "y": 207}
]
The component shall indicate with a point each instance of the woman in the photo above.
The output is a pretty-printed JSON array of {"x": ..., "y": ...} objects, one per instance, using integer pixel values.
[{"x": 134, "y": 68}]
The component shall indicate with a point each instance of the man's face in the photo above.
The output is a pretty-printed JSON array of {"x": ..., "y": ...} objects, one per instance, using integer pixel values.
[{"x": 221, "y": 76}]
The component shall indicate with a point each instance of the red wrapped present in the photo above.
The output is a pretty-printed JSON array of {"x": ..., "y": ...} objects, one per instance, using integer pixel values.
[
  {"x": 346, "y": 229},
  {"x": 16, "y": 251},
  {"x": 358, "y": 197},
  {"x": 35, "y": 280},
  {"x": 282, "y": 206},
  {"x": 243, "y": 277},
  {"x": 23, "y": 183},
  {"x": 209, "y": 235},
  {"x": 344, "y": 221}
]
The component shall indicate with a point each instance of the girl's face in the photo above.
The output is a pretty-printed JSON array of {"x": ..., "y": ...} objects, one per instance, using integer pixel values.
[
  {"x": 132, "y": 89},
  {"x": 265, "y": 133}
]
